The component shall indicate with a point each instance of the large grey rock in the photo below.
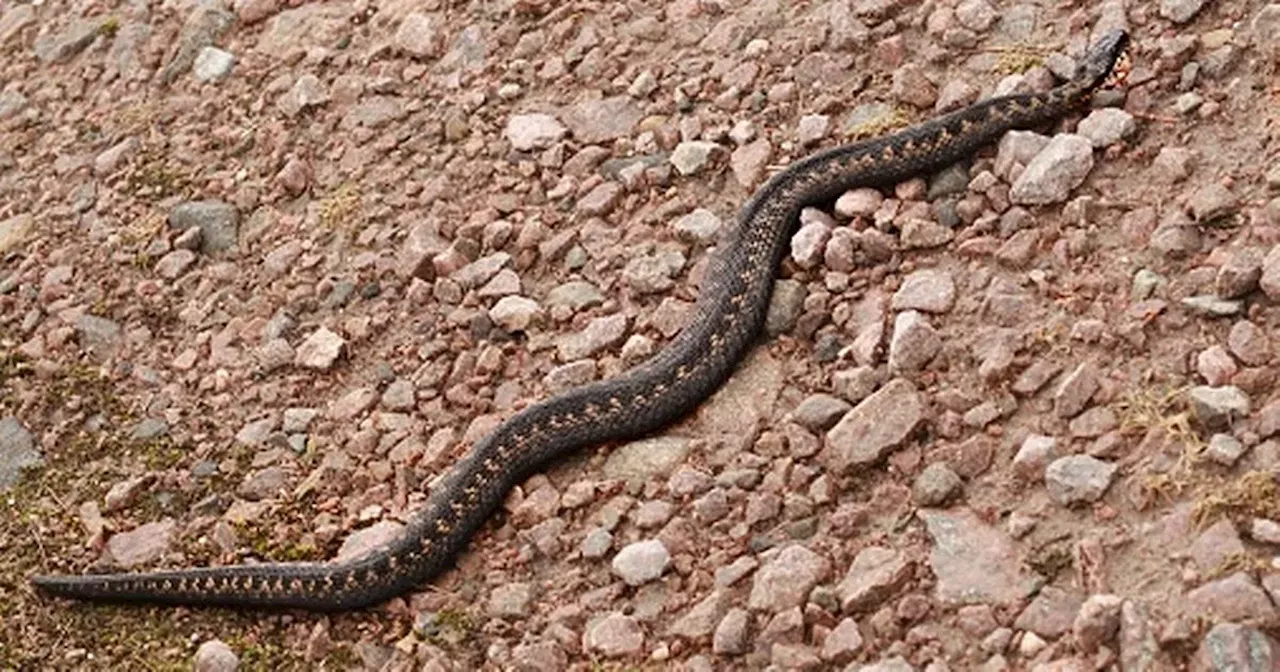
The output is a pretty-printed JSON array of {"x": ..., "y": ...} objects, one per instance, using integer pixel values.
[
  {"x": 874, "y": 427},
  {"x": 1060, "y": 167},
  {"x": 973, "y": 561},
  {"x": 218, "y": 223},
  {"x": 17, "y": 452}
]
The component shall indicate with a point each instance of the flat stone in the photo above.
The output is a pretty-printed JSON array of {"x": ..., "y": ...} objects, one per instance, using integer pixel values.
[
  {"x": 818, "y": 412},
  {"x": 264, "y": 483},
  {"x": 692, "y": 156},
  {"x": 1212, "y": 202},
  {"x": 203, "y": 26},
  {"x": 1075, "y": 391},
  {"x": 923, "y": 234},
  {"x": 1034, "y": 456},
  {"x": 109, "y": 160},
  {"x": 527, "y": 132},
  {"x": 914, "y": 342},
  {"x": 597, "y": 542},
  {"x": 1232, "y": 646},
  {"x": 1107, "y": 126},
  {"x": 747, "y": 399},
  {"x": 843, "y": 643},
  {"x": 1097, "y": 622},
  {"x": 535, "y": 657},
  {"x": 215, "y": 656},
  {"x": 793, "y": 657},
  {"x": 749, "y": 162},
  {"x": 601, "y": 200},
  {"x": 14, "y": 19},
  {"x": 699, "y": 226},
  {"x": 14, "y": 230},
  {"x": 1173, "y": 164},
  {"x": 320, "y": 350},
  {"x": 859, "y": 203},
  {"x": 1017, "y": 148},
  {"x": 1139, "y": 648},
  {"x": 1212, "y": 306},
  {"x": 641, "y": 562},
  {"x": 175, "y": 263},
  {"x": 784, "y": 582},
  {"x": 146, "y": 429},
  {"x": 1216, "y": 365},
  {"x": 877, "y": 425},
  {"x": 731, "y": 635},
  {"x": 935, "y": 485},
  {"x": 1060, "y": 167},
  {"x": 974, "y": 562},
  {"x": 510, "y": 600},
  {"x": 910, "y": 85},
  {"x": 604, "y": 120},
  {"x": 142, "y": 545},
  {"x": 307, "y": 92},
  {"x": 1218, "y": 407},
  {"x": 889, "y": 664},
  {"x": 514, "y": 313},
  {"x": 812, "y": 128},
  {"x": 1234, "y": 598},
  {"x": 100, "y": 337},
  {"x": 63, "y": 45},
  {"x": 1225, "y": 449},
  {"x": 1250, "y": 343},
  {"x": 213, "y": 64},
  {"x": 368, "y": 539},
  {"x": 809, "y": 244},
  {"x": 420, "y": 35},
  {"x": 614, "y": 636},
  {"x": 1269, "y": 280},
  {"x": 1051, "y": 614},
  {"x": 601, "y": 333},
  {"x": 1213, "y": 547},
  {"x": 927, "y": 290},
  {"x": 701, "y": 620},
  {"x": 1180, "y": 11},
  {"x": 653, "y": 273},
  {"x": 575, "y": 295},
  {"x": 874, "y": 576},
  {"x": 1078, "y": 479},
  {"x": 17, "y": 452},
  {"x": 785, "y": 307},
  {"x": 218, "y": 223},
  {"x": 646, "y": 458},
  {"x": 373, "y": 113}
]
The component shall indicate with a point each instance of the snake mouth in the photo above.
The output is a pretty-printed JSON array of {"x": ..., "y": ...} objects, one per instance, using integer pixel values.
[{"x": 1120, "y": 71}]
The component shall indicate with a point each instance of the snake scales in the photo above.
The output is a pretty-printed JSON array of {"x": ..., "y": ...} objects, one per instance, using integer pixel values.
[{"x": 730, "y": 312}]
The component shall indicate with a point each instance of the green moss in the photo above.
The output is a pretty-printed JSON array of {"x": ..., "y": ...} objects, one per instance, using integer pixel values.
[
  {"x": 447, "y": 628},
  {"x": 891, "y": 120},
  {"x": 110, "y": 26},
  {"x": 338, "y": 209},
  {"x": 1019, "y": 58},
  {"x": 152, "y": 177}
]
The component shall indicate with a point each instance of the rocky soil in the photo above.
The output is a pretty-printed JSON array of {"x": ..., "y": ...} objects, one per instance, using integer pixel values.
[{"x": 267, "y": 269}]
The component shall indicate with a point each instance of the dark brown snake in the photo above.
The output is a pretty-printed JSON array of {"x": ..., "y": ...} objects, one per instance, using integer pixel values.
[{"x": 730, "y": 313}]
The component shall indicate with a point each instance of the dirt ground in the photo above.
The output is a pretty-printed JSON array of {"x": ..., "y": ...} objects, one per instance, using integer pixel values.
[{"x": 267, "y": 270}]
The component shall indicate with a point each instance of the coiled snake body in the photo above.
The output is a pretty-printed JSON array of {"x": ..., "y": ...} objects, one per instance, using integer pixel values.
[{"x": 730, "y": 312}]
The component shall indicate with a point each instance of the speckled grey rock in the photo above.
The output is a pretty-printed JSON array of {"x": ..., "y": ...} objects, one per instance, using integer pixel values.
[{"x": 17, "y": 451}]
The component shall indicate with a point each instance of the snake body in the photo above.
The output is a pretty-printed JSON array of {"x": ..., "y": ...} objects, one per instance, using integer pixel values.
[{"x": 728, "y": 318}]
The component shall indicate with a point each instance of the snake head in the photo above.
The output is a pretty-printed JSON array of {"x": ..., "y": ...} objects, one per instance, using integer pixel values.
[{"x": 1106, "y": 63}]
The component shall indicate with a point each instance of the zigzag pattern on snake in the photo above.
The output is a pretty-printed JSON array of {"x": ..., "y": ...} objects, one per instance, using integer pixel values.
[{"x": 729, "y": 315}]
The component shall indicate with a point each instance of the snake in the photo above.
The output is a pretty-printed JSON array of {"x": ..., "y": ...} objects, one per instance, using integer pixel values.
[{"x": 727, "y": 320}]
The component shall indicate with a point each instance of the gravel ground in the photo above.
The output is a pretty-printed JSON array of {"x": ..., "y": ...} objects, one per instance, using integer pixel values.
[{"x": 268, "y": 269}]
